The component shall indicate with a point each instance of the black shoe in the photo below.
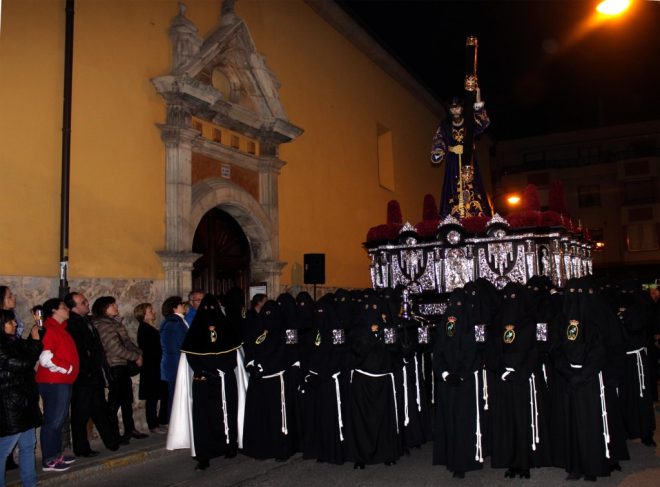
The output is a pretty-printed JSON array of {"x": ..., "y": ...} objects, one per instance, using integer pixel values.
[
  {"x": 615, "y": 466},
  {"x": 648, "y": 441},
  {"x": 590, "y": 478},
  {"x": 389, "y": 464},
  {"x": 524, "y": 474},
  {"x": 138, "y": 436},
  {"x": 231, "y": 454},
  {"x": 114, "y": 447},
  {"x": 510, "y": 473},
  {"x": 89, "y": 454},
  {"x": 202, "y": 465},
  {"x": 125, "y": 440},
  {"x": 358, "y": 466},
  {"x": 459, "y": 475},
  {"x": 573, "y": 476}
]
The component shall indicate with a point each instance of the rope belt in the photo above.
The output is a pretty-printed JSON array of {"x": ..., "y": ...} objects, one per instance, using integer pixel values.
[
  {"x": 485, "y": 388},
  {"x": 479, "y": 453},
  {"x": 391, "y": 375},
  {"x": 534, "y": 411},
  {"x": 432, "y": 382},
  {"x": 406, "y": 418},
  {"x": 224, "y": 405},
  {"x": 603, "y": 409},
  {"x": 640, "y": 368},
  {"x": 280, "y": 374},
  {"x": 340, "y": 420},
  {"x": 545, "y": 375},
  {"x": 418, "y": 398}
]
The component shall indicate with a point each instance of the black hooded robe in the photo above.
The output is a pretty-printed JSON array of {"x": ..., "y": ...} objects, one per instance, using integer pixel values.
[{"x": 211, "y": 346}]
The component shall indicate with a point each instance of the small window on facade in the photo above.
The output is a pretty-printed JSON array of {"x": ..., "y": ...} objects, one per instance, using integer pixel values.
[
  {"x": 640, "y": 192},
  {"x": 589, "y": 195},
  {"x": 251, "y": 147},
  {"x": 642, "y": 237},
  {"x": 197, "y": 125},
  {"x": 217, "y": 135},
  {"x": 385, "y": 158},
  {"x": 235, "y": 141}
]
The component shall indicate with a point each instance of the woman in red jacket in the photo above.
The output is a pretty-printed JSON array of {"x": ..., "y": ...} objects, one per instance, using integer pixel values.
[{"x": 58, "y": 369}]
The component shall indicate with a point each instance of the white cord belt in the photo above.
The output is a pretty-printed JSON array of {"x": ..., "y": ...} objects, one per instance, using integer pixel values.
[
  {"x": 396, "y": 408},
  {"x": 224, "y": 405},
  {"x": 640, "y": 368},
  {"x": 485, "y": 388},
  {"x": 340, "y": 420},
  {"x": 432, "y": 382},
  {"x": 406, "y": 418},
  {"x": 534, "y": 411},
  {"x": 418, "y": 398},
  {"x": 545, "y": 375},
  {"x": 479, "y": 453},
  {"x": 280, "y": 374},
  {"x": 603, "y": 409}
]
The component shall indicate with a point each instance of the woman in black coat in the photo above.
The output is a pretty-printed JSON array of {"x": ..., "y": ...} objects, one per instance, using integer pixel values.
[
  {"x": 19, "y": 399},
  {"x": 152, "y": 388}
]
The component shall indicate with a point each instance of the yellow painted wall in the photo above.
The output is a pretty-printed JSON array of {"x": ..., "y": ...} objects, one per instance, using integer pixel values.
[{"x": 329, "y": 191}]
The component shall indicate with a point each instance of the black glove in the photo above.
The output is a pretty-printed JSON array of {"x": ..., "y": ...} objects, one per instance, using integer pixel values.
[
  {"x": 575, "y": 381},
  {"x": 512, "y": 376},
  {"x": 453, "y": 379},
  {"x": 255, "y": 371}
]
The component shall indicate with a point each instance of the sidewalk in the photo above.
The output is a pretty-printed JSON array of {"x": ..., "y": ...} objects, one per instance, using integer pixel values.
[{"x": 137, "y": 451}]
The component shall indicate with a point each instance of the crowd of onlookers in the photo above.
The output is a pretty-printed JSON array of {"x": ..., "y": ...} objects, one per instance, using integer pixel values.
[{"x": 77, "y": 361}]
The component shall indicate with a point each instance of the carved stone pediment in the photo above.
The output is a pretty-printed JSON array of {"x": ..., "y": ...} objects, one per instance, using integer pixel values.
[{"x": 225, "y": 80}]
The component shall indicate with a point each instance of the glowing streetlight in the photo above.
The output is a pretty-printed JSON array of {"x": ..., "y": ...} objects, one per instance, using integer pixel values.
[
  {"x": 513, "y": 200},
  {"x": 613, "y": 7}
]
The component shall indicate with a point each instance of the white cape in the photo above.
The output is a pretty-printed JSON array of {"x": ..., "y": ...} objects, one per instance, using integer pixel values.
[{"x": 180, "y": 431}]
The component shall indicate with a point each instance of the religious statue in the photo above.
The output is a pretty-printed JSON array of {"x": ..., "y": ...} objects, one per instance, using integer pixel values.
[{"x": 463, "y": 193}]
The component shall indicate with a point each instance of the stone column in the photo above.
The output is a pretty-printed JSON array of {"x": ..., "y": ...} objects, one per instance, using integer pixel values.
[{"x": 176, "y": 257}]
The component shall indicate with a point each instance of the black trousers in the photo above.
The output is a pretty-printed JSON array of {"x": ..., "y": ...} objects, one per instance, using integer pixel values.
[
  {"x": 88, "y": 402},
  {"x": 155, "y": 415},
  {"x": 120, "y": 395}
]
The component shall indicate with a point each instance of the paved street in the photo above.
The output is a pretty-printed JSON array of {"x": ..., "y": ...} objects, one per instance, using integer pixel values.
[{"x": 146, "y": 463}]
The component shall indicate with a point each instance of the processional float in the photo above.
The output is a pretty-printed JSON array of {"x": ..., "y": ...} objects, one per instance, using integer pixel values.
[{"x": 430, "y": 267}]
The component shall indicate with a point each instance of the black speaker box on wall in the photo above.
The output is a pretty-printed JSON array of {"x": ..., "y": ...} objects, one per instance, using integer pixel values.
[{"x": 314, "y": 268}]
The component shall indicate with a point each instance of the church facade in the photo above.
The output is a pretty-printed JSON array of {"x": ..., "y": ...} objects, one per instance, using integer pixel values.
[{"x": 212, "y": 144}]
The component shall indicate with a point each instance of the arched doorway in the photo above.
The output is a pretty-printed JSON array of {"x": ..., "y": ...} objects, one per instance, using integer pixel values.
[{"x": 225, "y": 250}]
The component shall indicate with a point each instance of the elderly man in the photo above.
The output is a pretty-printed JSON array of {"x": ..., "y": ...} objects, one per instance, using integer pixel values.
[
  {"x": 88, "y": 395},
  {"x": 194, "y": 298}
]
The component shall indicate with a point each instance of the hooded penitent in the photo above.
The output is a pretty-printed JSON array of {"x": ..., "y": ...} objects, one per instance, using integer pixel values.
[
  {"x": 323, "y": 392},
  {"x": 581, "y": 439},
  {"x": 211, "y": 348},
  {"x": 457, "y": 438}
]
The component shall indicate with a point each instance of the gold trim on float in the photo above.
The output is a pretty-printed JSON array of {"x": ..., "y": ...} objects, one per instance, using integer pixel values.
[{"x": 216, "y": 353}]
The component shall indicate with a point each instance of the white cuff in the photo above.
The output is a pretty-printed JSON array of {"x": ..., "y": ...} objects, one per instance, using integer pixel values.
[{"x": 444, "y": 375}]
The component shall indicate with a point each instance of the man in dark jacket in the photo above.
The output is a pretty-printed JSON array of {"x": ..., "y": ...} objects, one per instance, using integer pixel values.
[{"x": 88, "y": 395}]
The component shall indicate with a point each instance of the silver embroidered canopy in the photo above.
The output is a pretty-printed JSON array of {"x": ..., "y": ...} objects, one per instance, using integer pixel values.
[{"x": 501, "y": 255}]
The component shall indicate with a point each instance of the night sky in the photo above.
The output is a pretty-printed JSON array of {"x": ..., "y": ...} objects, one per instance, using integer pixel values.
[{"x": 537, "y": 73}]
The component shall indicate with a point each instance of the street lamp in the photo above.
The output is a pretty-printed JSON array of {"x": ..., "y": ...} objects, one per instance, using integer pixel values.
[
  {"x": 513, "y": 200},
  {"x": 612, "y": 7}
]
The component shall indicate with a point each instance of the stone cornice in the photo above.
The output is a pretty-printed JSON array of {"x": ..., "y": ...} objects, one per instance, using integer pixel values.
[{"x": 345, "y": 25}]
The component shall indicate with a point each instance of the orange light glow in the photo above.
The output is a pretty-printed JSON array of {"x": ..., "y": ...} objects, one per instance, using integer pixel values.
[
  {"x": 600, "y": 245},
  {"x": 513, "y": 199},
  {"x": 613, "y": 7}
]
